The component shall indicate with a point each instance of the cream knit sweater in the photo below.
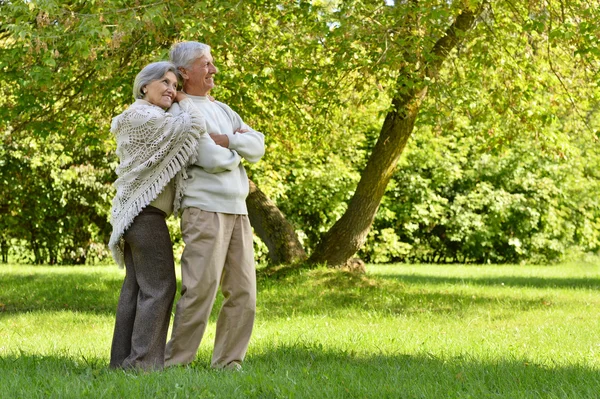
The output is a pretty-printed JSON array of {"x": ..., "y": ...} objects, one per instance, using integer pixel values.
[{"x": 222, "y": 186}]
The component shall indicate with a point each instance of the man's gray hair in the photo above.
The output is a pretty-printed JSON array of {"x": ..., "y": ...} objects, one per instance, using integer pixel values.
[
  {"x": 183, "y": 54},
  {"x": 150, "y": 73}
]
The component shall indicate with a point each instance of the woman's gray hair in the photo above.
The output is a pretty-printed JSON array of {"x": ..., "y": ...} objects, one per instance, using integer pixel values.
[
  {"x": 183, "y": 54},
  {"x": 150, "y": 73}
]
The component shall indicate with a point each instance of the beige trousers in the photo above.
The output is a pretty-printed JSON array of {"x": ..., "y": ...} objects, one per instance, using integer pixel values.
[{"x": 218, "y": 251}]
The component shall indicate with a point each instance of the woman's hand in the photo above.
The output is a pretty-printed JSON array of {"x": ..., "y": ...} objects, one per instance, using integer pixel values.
[{"x": 180, "y": 96}]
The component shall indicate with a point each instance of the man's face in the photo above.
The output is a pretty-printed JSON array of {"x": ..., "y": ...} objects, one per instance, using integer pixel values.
[{"x": 198, "y": 79}]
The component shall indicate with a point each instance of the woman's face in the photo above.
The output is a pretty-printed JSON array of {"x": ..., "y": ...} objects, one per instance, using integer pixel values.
[{"x": 162, "y": 91}]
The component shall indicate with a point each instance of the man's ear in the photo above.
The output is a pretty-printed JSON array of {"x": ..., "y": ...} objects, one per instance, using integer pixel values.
[{"x": 183, "y": 73}]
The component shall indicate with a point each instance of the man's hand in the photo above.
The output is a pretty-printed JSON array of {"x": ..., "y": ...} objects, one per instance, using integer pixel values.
[
  {"x": 223, "y": 140},
  {"x": 220, "y": 139}
]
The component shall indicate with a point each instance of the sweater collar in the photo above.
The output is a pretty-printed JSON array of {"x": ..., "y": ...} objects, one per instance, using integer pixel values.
[{"x": 197, "y": 98}]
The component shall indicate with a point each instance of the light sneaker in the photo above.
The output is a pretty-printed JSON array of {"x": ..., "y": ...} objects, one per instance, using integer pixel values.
[{"x": 233, "y": 366}]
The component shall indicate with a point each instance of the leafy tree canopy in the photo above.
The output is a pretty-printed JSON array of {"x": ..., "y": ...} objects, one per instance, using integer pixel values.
[{"x": 317, "y": 76}]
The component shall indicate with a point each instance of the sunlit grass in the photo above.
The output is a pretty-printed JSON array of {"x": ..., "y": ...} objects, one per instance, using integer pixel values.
[{"x": 414, "y": 331}]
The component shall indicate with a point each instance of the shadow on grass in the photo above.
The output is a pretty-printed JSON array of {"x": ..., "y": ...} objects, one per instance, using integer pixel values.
[
  {"x": 313, "y": 292},
  {"x": 510, "y": 281},
  {"x": 426, "y": 375},
  {"x": 94, "y": 293},
  {"x": 306, "y": 370},
  {"x": 386, "y": 303},
  {"x": 330, "y": 292}
]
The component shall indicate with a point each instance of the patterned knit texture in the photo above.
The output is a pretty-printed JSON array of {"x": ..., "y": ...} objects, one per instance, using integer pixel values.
[{"x": 153, "y": 147}]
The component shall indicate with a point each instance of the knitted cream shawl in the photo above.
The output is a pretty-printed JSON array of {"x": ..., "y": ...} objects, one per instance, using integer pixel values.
[{"x": 153, "y": 147}]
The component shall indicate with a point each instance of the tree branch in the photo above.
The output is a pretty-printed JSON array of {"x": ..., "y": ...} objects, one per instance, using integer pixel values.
[{"x": 450, "y": 40}]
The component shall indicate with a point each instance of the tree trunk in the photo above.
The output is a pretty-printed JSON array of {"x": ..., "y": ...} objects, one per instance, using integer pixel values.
[
  {"x": 4, "y": 250},
  {"x": 273, "y": 228},
  {"x": 349, "y": 233}
]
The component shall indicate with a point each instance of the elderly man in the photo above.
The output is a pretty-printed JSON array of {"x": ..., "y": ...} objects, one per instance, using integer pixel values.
[{"x": 215, "y": 228}]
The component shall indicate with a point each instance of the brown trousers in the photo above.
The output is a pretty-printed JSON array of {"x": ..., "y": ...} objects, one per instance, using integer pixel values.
[
  {"x": 218, "y": 251},
  {"x": 147, "y": 295}
]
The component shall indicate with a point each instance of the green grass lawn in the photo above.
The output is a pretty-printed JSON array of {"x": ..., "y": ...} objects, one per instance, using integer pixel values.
[{"x": 402, "y": 331}]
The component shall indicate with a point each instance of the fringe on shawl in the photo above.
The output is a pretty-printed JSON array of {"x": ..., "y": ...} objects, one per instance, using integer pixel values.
[{"x": 188, "y": 150}]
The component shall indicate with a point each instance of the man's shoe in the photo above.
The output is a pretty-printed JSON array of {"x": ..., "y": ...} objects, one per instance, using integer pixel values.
[{"x": 233, "y": 366}]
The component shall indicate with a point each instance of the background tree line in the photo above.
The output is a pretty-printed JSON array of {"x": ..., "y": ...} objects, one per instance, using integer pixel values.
[{"x": 496, "y": 102}]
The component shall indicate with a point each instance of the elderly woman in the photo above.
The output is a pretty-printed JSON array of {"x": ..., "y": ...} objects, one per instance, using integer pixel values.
[{"x": 153, "y": 147}]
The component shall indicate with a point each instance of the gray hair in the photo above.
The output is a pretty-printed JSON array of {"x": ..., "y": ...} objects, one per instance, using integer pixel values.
[
  {"x": 183, "y": 54},
  {"x": 150, "y": 73}
]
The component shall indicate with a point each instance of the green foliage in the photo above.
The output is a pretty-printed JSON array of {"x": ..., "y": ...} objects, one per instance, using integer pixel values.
[
  {"x": 460, "y": 205},
  {"x": 317, "y": 77},
  {"x": 68, "y": 68},
  {"x": 503, "y": 163},
  {"x": 57, "y": 211}
]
